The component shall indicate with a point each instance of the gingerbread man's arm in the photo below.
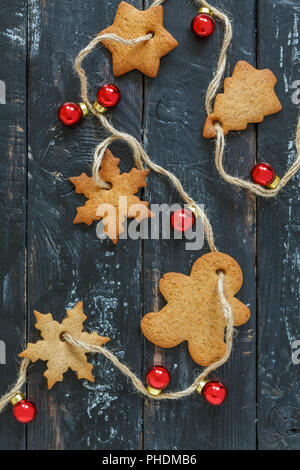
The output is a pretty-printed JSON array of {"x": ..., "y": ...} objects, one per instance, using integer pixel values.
[{"x": 163, "y": 328}]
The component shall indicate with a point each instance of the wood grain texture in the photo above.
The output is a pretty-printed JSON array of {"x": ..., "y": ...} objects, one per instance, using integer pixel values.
[
  {"x": 119, "y": 284},
  {"x": 279, "y": 238},
  {"x": 68, "y": 262},
  {"x": 174, "y": 118},
  {"x": 13, "y": 20}
]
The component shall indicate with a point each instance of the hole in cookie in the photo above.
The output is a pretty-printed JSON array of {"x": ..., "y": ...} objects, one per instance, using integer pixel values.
[
  {"x": 62, "y": 336},
  {"x": 152, "y": 33},
  {"x": 217, "y": 123}
]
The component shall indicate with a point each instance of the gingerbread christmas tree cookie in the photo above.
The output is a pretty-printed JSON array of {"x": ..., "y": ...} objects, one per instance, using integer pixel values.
[
  {"x": 248, "y": 97},
  {"x": 145, "y": 56},
  {"x": 59, "y": 354},
  {"x": 115, "y": 204},
  {"x": 194, "y": 312}
]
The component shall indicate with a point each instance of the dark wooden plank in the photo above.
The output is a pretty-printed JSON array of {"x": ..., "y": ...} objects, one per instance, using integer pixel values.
[
  {"x": 279, "y": 237},
  {"x": 13, "y": 21},
  {"x": 174, "y": 118},
  {"x": 67, "y": 262}
]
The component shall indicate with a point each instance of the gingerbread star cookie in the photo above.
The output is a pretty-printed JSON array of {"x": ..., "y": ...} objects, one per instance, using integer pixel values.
[
  {"x": 194, "y": 312},
  {"x": 115, "y": 204},
  {"x": 131, "y": 23},
  {"x": 59, "y": 354},
  {"x": 248, "y": 97}
]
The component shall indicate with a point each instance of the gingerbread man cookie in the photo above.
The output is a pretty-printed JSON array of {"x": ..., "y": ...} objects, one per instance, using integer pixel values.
[{"x": 194, "y": 312}]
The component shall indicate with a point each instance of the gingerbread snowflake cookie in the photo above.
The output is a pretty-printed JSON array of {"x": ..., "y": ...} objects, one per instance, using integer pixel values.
[
  {"x": 194, "y": 312},
  {"x": 115, "y": 204},
  {"x": 145, "y": 56},
  {"x": 248, "y": 97},
  {"x": 59, "y": 354}
]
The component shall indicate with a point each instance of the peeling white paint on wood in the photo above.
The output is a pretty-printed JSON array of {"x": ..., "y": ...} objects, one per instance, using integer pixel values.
[
  {"x": 15, "y": 35},
  {"x": 35, "y": 31}
]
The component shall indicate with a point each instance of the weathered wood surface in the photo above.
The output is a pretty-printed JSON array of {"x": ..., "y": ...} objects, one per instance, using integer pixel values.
[
  {"x": 67, "y": 263},
  {"x": 174, "y": 118},
  {"x": 13, "y": 151},
  {"x": 278, "y": 239}
]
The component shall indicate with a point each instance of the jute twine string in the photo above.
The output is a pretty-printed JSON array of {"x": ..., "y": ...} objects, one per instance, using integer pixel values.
[
  {"x": 137, "y": 383},
  {"x": 5, "y": 399},
  {"x": 254, "y": 188},
  {"x": 220, "y": 139},
  {"x": 139, "y": 154},
  {"x": 140, "y": 157}
]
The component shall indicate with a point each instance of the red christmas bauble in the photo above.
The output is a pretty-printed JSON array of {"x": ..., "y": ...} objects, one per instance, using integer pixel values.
[
  {"x": 108, "y": 95},
  {"x": 24, "y": 411},
  {"x": 158, "y": 377},
  {"x": 70, "y": 113},
  {"x": 182, "y": 220},
  {"x": 203, "y": 25},
  {"x": 263, "y": 174},
  {"x": 215, "y": 393}
]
